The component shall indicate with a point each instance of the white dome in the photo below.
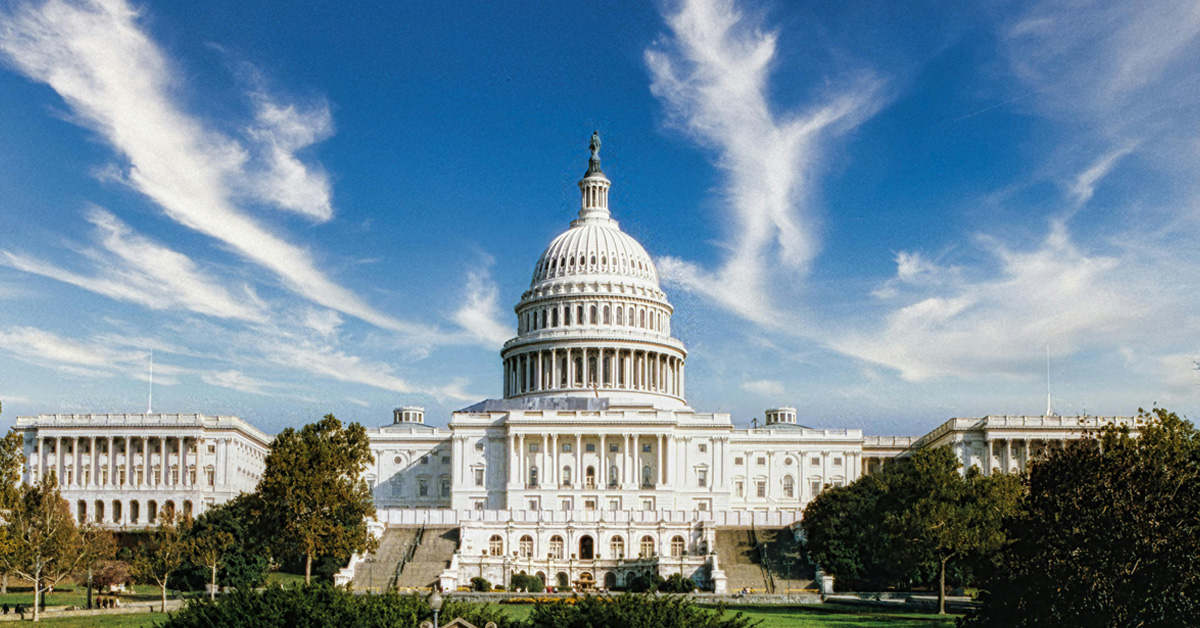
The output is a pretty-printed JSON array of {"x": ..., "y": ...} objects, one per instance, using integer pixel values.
[{"x": 594, "y": 247}]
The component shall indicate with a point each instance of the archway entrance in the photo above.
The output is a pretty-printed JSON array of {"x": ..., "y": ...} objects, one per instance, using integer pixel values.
[
  {"x": 587, "y": 548},
  {"x": 610, "y": 581},
  {"x": 563, "y": 581}
]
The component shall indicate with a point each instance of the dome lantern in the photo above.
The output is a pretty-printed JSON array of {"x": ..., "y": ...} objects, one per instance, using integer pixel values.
[{"x": 594, "y": 186}]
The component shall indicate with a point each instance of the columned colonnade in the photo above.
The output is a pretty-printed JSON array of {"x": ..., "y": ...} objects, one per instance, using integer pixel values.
[
  {"x": 609, "y": 368},
  {"x": 624, "y": 468}
]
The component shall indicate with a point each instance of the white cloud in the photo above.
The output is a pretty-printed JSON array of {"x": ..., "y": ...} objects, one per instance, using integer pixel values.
[
  {"x": 281, "y": 130},
  {"x": 239, "y": 381},
  {"x": 119, "y": 83},
  {"x": 1084, "y": 186},
  {"x": 133, "y": 268},
  {"x": 480, "y": 314},
  {"x": 88, "y": 359},
  {"x": 712, "y": 74},
  {"x": 764, "y": 387}
]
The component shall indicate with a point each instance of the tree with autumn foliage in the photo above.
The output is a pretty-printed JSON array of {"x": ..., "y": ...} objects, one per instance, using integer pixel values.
[
  {"x": 163, "y": 551},
  {"x": 313, "y": 499}
]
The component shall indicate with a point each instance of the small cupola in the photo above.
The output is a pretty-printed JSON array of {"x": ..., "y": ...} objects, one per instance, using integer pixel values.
[
  {"x": 782, "y": 414},
  {"x": 408, "y": 414}
]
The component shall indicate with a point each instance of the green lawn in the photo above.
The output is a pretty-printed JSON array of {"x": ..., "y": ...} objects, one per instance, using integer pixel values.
[
  {"x": 136, "y": 620},
  {"x": 72, "y": 595}
]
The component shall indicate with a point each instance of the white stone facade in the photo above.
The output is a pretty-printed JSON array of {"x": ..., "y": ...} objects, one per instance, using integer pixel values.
[{"x": 122, "y": 469}]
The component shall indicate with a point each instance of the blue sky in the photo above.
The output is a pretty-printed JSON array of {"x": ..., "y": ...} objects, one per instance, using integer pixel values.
[{"x": 881, "y": 213}]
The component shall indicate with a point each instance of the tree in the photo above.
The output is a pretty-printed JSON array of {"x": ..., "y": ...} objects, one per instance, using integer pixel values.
[
  {"x": 44, "y": 545},
  {"x": 910, "y": 521},
  {"x": 110, "y": 573},
  {"x": 97, "y": 545},
  {"x": 314, "y": 500},
  {"x": 243, "y": 564},
  {"x": 1108, "y": 534},
  {"x": 163, "y": 551},
  {"x": 12, "y": 462},
  {"x": 208, "y": 548}
]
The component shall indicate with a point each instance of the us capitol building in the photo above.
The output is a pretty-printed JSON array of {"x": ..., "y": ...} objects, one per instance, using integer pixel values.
[{"x": 591, "y": 469}]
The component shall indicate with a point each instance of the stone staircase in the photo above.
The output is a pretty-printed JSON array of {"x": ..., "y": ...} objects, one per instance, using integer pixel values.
[
  {"x": 762, "y": 560},
  {"x": 435, "y": 547},
  {"x": 378, "y": 571}
]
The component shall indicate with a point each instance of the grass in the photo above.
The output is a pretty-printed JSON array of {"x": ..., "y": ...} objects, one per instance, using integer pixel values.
[
  {"x": 74, "y": 595},
  {"x": 135, "y": 620},
  {"x": 811, "y": 616}
]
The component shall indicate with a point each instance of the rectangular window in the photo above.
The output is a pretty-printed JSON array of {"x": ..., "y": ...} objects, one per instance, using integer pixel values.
[
  {"x": 121, "y": 477},
  {"x": 567, "y": 448},
  {"x": 423, "y": 488},
  {"x": 589, "y": 447},
  {"x": 533, "y": 448},
  {"x": 703, "y": 448},
  {"x": 445, "y": 459},
  {"x": 479, "y": 504},
  {"x": 647, "y": 504},
  {"x": 646, "y": 448},
  {"x": 445, "y": 489},
  {"x": 739, "y": 461},
  {"x": 740, "y": 488},
  {"x": 814, "y": 462},
  {"x": 762, "y": 489},
  {"x": 837, "y": 483},
  {"x": 614, "y": 448},
  {"x": 614, "y": 504},
  {"x": 212, "y": 449},
  {"x": 533, "y": 504},
  {"x": 566, "y": 504},
  {"x": 816, "y": 487},
  {"x": 478, "y": 477},
  {"x": 702, "y": 505},
  {"x": 478, "y": 446},
  {"x": 702, "y": 478},
  {"x": 210, "y": 477},
  {"x": 837, "y": 462},
  {"x": 762, "y": 462},
  {"x": 589, "y": 504}
]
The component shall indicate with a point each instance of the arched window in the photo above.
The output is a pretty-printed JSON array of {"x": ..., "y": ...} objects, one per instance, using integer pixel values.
[
  {"x": 566, "y": 476},
  {"x": 647, "y": 475},
  {"x": 567, "y": 316},
  {"x": 526, "y": 546},
  {"x": 81, "y": 511},
  {"x": 496, "y": 545},
  {"x": 604, "y": 260},
  {"x": 587, "y": 548},
  {"x": 647, "y": 547},
  {"x": 613, "y": 476},
  {"x": 632, "y": 319},
  {"x": 134, "y": 511},
  {"x": 606, "y": 316},
  {"x": 593, "y": 262},
  {"x": 590, "y": 477},
  {"x": 642, "y": 315},
  {"x": 579, "y": 316},
  {"x": 152, "y": 512},
  {"x": 620, "y": 316},
  {"x": 556, "y": 547},
  {"x": 677, "y": 547},
  {"x": 616, "y": 547},
  {"x": 592, "y": 315},
  {"x": 789, "y": 486},
  {"x": 554, "y": 317},
  {"x": 533, "y": 476}
]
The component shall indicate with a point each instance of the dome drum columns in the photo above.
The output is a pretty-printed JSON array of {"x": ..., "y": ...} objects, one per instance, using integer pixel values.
[{"x": 584, "y": 369}]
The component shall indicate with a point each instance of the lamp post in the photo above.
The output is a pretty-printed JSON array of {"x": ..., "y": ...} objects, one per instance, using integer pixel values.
[{"x": 435, "y": 603}]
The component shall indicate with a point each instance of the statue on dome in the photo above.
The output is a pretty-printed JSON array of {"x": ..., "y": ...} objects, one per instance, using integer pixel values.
[{"x": 595, "y": 145}]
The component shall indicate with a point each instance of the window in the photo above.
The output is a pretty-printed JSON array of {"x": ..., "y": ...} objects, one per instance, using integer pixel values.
[
  {"x": 703, "y": 448},
  {"x": 212, "y": 449},
  {"x": 445, "y": 488},
  {"x": 589, "y": 504},
  {"x": 702, "y": 505},
  {"x": 478, "y": 446},
  {"x": 445, "y": 459},
  {"x": 702, "y": 478},
  {"x": 566, "y": 504},
  {"x": 479, "y": 504},
  {"x": 526, "y": 546},
  {"x": 534, "y": 505},
  {"x": 648, "y": 503},
  {"x": 815, "y": 487},
  {"x": 589, "y": 447},
  {"x": 647, "y": 547},
  {"x": 837, "y": 462},
  {"x": 424, "y": 459},
  {"x": 614, "y": 504},
  {"x": 496, "y": 545},
  {"x": 614, "y": 448},
  {"x": 739, "y": 461},
  {"x": 762, "y": 462},
  {"x": 533, "y": 448},
  {"x": 677, "y": 546},
  {"x": 566, "y": 476},
  {"x": 814, "y": 461},
  {"x": 556, "y": 547},
  {"x": 533, "y": 477},
  {"x": 789, "y": 486},
  {"x": 616, "y": 547},
  {"x": 647, "y": 448},
  {"x": 567, "y": 447},
  {"x": 837, "y": 483},
  {"x": 740, "y": 487},
  {"x": 762, "y": 488},
  {"x": 647, "y": 475},
  {"x": 478, "y": 477},
  {"x": 423, "y": 488}
]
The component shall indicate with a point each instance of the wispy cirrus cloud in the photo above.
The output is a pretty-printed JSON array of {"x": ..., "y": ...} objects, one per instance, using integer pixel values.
[
  {"x": 118, "y": 83},
  {"x": 80, "y": 358},
  {"x": 480, "y": 315},
  {"x": 136, "y": 269},
  {"x": 712, "y": 73}
]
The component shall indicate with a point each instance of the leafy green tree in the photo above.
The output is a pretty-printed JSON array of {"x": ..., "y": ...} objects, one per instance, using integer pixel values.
[
  {"x": 314, "y": 501},
  {"x": 480, "y": 584},
  {"x": 1109, "y": 534},
  {"x": 676, "y": 583},
  {"x": 208, "y": 547},
  {"x": 635, "y": 611},
  {"x": 911, "y": 521},
  {"x": 45, "y": 547},
  {"x": 163, "y": 552},
  {"x": 12, "y": 462}
]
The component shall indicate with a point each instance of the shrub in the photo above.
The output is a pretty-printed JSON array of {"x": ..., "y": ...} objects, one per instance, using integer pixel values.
[
  {"x": 645, "y": 583},
  {"x": 632, "y": 610},
  {"x": 480, "y": 584},
  {"x": 318, "y": 606},
  {"x": 523, "y": 582},
  {"x": 677, "y": 584}
]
